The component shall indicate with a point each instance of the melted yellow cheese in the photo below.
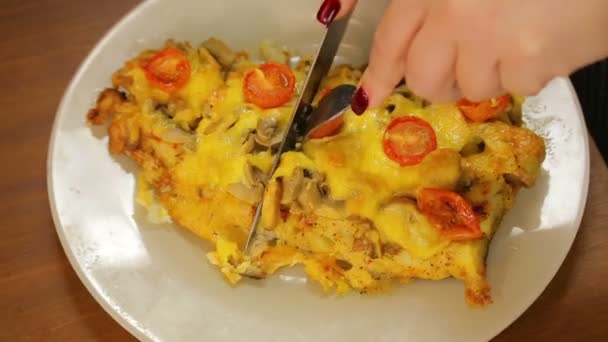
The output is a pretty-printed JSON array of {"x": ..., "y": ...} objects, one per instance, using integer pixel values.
[
  {"x": 359, "y": 172},
  {"x": 403, "y": 224}
]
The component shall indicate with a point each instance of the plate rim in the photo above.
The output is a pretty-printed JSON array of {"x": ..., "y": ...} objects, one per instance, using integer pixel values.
[
  {"x": 139, "y": 333},
  {"x": 532, "y": 298},
  {"x": 59, "y": 114}
]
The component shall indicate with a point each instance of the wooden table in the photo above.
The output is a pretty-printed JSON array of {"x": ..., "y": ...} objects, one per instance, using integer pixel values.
[{"x": 41, "y": 298}]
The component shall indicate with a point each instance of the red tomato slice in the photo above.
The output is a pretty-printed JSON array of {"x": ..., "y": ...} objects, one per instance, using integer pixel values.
[
  {"x": 449, "y": 212},
  {"x": 329, "y": 128},
  {"x": 485, "y": 110},
  {"x": 168, "y": 70},
  {"x": 270, "y": 85},
  {"x": 408, "y": 139}
]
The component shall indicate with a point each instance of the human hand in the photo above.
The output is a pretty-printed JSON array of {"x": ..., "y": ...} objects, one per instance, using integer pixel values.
[{"x": 478, "y": 49}]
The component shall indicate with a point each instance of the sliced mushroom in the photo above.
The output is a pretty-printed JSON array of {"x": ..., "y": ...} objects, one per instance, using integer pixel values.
[
  {"x": 303, "y": 65},
  {"x": 193, "y": 125},
  {"x": 219, "y": 124},
  {"x": 222, "y": 53},
  {"x": 250, "y": 145},
  {"x": 366, "y": 238},
  {"x": 343, "y": 264},
  {"x": 182, "y": 46},
  {"x": 266, "y": 132},
  {"x": 212, "y": 127},
  {"x": 272, "y": 53},
  {"x": 391, "y": 248},
  {"x": 364, "y": 245},
  {"x": 314, "y": 175},
  {"x": 248, "y": 142},
  {"x": 163, "y": 109},
  {"x": 474, "y": 146},
  {"x": 316, "y": 192},
  {"x": 308, "y": 173},
  {"x": 176, "y": 135},
  {"x": 261, "y": 241},
  {"x": 310, "y": 196},
  {"x": 254, "y": 272},
  {"x": 249, "y": 194},
  {"x": 292, "y": 186},
  {"x": 253, "y": 175},
  {"x": 324, "y": 190},
  {"x": 465, "y": 183},
  {"x": 207, "y": 110}
]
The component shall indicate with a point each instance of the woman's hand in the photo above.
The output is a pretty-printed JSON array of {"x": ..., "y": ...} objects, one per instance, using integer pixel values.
[{"x": 478, "y": 49}]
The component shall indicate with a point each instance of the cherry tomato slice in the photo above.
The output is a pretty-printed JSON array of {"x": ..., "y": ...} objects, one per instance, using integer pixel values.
[
  {"x": 168, "y": 70},
  {"x": 269, "y": 86},
  {"x": 408, "y": 139},
  {"x": 329, "y": 128},
  {"x": 485, "y": 110},
  {"x": 449, "y": 212}
]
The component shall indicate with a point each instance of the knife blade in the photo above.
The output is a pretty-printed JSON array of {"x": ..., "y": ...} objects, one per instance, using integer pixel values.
[{"x": 320, "y": 67}]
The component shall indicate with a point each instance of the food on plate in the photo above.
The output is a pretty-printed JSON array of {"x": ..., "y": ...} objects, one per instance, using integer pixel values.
[{"x": 408, "y": 190}]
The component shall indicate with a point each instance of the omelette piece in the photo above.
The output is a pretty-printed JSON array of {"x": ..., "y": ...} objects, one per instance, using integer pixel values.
[{"x": 408, "y": 190}]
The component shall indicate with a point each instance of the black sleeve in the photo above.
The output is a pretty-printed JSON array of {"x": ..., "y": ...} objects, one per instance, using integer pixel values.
[{"x": 591, "y": 84}]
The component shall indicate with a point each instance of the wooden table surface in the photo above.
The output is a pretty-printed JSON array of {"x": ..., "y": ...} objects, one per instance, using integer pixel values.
[{"x": 41, "y": 298}]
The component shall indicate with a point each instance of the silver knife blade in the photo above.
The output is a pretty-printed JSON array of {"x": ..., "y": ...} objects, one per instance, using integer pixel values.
[{"x": 320, "y": 67}]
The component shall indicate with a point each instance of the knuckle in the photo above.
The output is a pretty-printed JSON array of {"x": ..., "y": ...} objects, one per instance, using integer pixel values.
[
  {"x": 422, "y": 79},
  {"x": 531, "y": 86},
  {"x": 419, "y": 86},
  {"x": 522, "y": 86},
  {"x": 468, "y": 88},
  {"x": 475, "y": 91}
]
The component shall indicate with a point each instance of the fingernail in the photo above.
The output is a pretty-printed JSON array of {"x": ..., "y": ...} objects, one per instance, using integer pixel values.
[
  {"x": 328, "y": 11},
  {"x": 360, "y": 101}
]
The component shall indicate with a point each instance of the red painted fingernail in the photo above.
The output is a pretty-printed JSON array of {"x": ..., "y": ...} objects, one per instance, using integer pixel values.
[
  {"x": 360, "y": 101},
  {"x": 328, "y": 11}
]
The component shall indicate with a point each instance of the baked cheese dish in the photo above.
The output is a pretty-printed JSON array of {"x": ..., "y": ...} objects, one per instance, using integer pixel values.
[{"x": 407, "y": 190}]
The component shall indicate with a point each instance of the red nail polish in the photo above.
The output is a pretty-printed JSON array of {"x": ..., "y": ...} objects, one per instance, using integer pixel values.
[
  {"x": 360, "y": 101},
  {"x": 328, "y": 11}
]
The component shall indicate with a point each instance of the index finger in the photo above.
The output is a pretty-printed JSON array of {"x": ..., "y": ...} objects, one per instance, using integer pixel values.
[
  {"x": 400, "y": 23},
  {"x": 334, "y": 9},
  {"x": 346, "y": 7}
]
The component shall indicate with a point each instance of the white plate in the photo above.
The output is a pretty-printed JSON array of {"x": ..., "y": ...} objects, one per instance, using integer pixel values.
[{"x": 155, "y": 280}]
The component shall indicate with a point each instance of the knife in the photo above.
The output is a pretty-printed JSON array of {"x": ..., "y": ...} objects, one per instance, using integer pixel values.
[{"x": 320, "y": 67}]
